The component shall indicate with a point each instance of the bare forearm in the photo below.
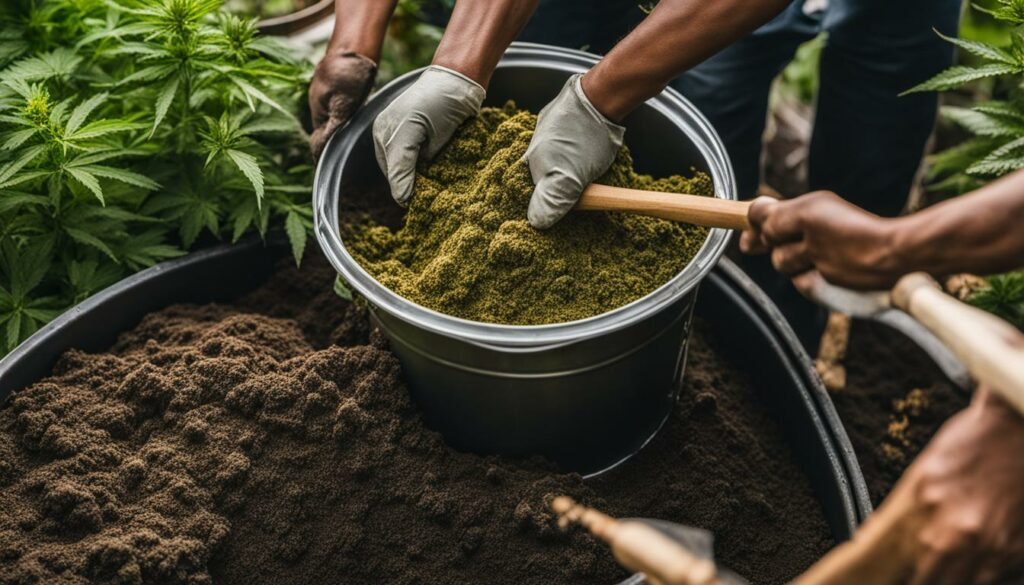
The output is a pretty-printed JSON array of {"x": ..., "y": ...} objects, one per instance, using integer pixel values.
[
  {"x": 360, "y": 26},
  {"x": 677, "y": 35},
  {"x": 478, "y": 34},
  {"x": 980, "y": 232}
]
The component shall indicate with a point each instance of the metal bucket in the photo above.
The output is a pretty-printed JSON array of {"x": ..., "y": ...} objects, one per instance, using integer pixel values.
[{"x": 587, "y": 394}]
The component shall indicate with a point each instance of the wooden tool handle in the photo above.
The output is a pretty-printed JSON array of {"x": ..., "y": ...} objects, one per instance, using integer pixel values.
[
  {"x": 883, "y": 550},
  {"x": 992, "y": 349},
  {"x": 639, "y": 547},
  {"x": 693, "y": 209}
]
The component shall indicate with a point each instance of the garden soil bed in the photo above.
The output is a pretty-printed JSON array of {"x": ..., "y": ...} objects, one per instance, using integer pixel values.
[
  {"x": 273, "y": 441},
  {"x": 894, "y": 401}
]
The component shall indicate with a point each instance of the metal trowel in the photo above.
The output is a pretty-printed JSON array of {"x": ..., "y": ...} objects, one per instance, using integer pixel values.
[
  {"x": 662, "y": 553},
  {"x": 877, "y": 306}
]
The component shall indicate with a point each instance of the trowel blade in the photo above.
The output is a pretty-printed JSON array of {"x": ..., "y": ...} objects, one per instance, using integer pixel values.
[
  {"x": 699, "y": 542},
  {"x": 850, "y": 302},
  {"x": 877, "y": 306}
]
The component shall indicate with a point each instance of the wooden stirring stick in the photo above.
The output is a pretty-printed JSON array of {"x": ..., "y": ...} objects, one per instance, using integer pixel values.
[
  {"x": 693, "y": 209},
  {"x": 639, "y": 547}
]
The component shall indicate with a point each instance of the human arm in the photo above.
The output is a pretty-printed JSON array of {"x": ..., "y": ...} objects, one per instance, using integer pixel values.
[
  {"x": 345, "y": 74},
  {"x": 418, "y": 123},
  {"x": 977, "y": 232},
  {"x": 578, "y": 134},
  {"x": 677, "y": 35}
]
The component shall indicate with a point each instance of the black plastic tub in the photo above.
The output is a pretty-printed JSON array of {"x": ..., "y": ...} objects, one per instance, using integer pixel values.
[{"x": 752, "y": 329}]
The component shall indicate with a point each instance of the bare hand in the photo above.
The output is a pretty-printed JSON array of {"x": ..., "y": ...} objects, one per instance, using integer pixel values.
[
  {"x": 822, "y": 232},
  {"x": 341, "y": 82},
  {"x": 969, "y": 482}
]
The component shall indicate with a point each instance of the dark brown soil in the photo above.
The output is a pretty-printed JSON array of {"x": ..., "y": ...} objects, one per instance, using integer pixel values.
[
  {"x": 895, "y": 399},
  {"x": 273, "y": 441}
]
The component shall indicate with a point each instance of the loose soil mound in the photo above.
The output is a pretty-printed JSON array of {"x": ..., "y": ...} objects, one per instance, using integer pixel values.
[
  {"x": 895, "y": 400},
  {"x": 273, "y": 441}
]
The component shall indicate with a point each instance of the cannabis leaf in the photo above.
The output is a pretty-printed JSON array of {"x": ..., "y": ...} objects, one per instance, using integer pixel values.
[
  {"x": 130, "y": 130},
  {"x": 1003, "y": 296}
]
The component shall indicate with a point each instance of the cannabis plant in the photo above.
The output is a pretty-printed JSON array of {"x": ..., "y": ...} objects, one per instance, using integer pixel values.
[
  {"x": 997, "y": 128},
  {"x": 129, "y": 131}
]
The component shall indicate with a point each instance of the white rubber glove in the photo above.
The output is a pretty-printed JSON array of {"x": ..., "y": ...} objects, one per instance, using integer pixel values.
[
  {"x": 420, "y": 122},
  {"x": 573, "y": 145}
]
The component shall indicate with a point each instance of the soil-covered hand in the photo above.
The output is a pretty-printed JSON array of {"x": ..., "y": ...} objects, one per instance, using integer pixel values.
[
  {"x": 340, "y": 85},
  {"x": 969, "y": 482},
  {"x": 822, "y": 232}
]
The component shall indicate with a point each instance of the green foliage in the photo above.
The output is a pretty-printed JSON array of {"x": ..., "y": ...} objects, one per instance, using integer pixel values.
[
  {"x": 800, "y": 78},
  {"x": 997, "y": 126},
  {"x": 1004, "y": 297},
  {"x": 128, "y": 129},
  {"x": 997, "y": 146},
  {"x": 411, "y": 40}
]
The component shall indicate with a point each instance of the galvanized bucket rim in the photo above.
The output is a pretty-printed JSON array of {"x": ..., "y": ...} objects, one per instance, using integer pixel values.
[{"x": 669, "y": 103}]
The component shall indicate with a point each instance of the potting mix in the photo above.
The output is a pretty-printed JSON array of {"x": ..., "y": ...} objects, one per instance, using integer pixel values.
[
  {"x": 273, "y": 441},
  {"x": 465, "y": 243}
]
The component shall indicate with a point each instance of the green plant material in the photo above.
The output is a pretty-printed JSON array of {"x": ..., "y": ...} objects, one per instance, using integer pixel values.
[
  {"x": 342, "y": 289},
  {"x": 1003, "y": 297},
  {"x": 127, "y": 130},
  {"x": 997, "y": 125},
  {"x": 800, "y": 78},
  {"x": 266, "y": 8},
  {"x": 411, "y": 40},
  {"x": 997, "y": 147},
  {"x": 467, "y": 250}
]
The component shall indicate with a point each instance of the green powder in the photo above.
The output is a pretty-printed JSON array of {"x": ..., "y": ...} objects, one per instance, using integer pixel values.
[{"x": 467, "y": 250}]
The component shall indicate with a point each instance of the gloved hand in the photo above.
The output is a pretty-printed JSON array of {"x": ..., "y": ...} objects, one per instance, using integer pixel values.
[
  {"x": 340, "y": 85},
  {"x": 573, "y": 145},
  {"x": 420, "y": 122}
]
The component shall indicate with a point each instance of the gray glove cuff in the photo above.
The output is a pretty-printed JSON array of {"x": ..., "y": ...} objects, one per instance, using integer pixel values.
[
  {"x": 471, "y": 90},
  {"x": 573, "y": 145},
  {"x": 615, "y": 132}
]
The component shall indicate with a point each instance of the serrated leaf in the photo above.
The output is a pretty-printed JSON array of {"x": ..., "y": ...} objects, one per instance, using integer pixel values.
[
  {"x": 956, "y": 76},
  {"x": 996, "y": 166},
  {"x": 60, "y": 62},
  {"x": 984, "y": 124},
  {"x": 83, "y": 237},
  {"x": 342, "y": 289},
  {"x": 88, "y": 180},
  {"x": 17, "y": 138},
  {"x": 14, "y": 330},
  {"x": 163, "y": 102},
  {"x": 269, "y": 125},
  {"x": 123, "y": 175},
  {"x": 11, "y": 199},
  {"x": 26, "y": 157},
  {"x": 249, "y": 167},
  {"x": 242, "y": 217},
  {"x": 105, "y": 127},
  {"x": 251, "y": 92},
  {"x": 150, "y": 73},
  {"x": 296, "y": 230},
  {"x": 983, "y": 50},
  {"x": 82, "y": 111},
  {"x": 135, "y": 28}
]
